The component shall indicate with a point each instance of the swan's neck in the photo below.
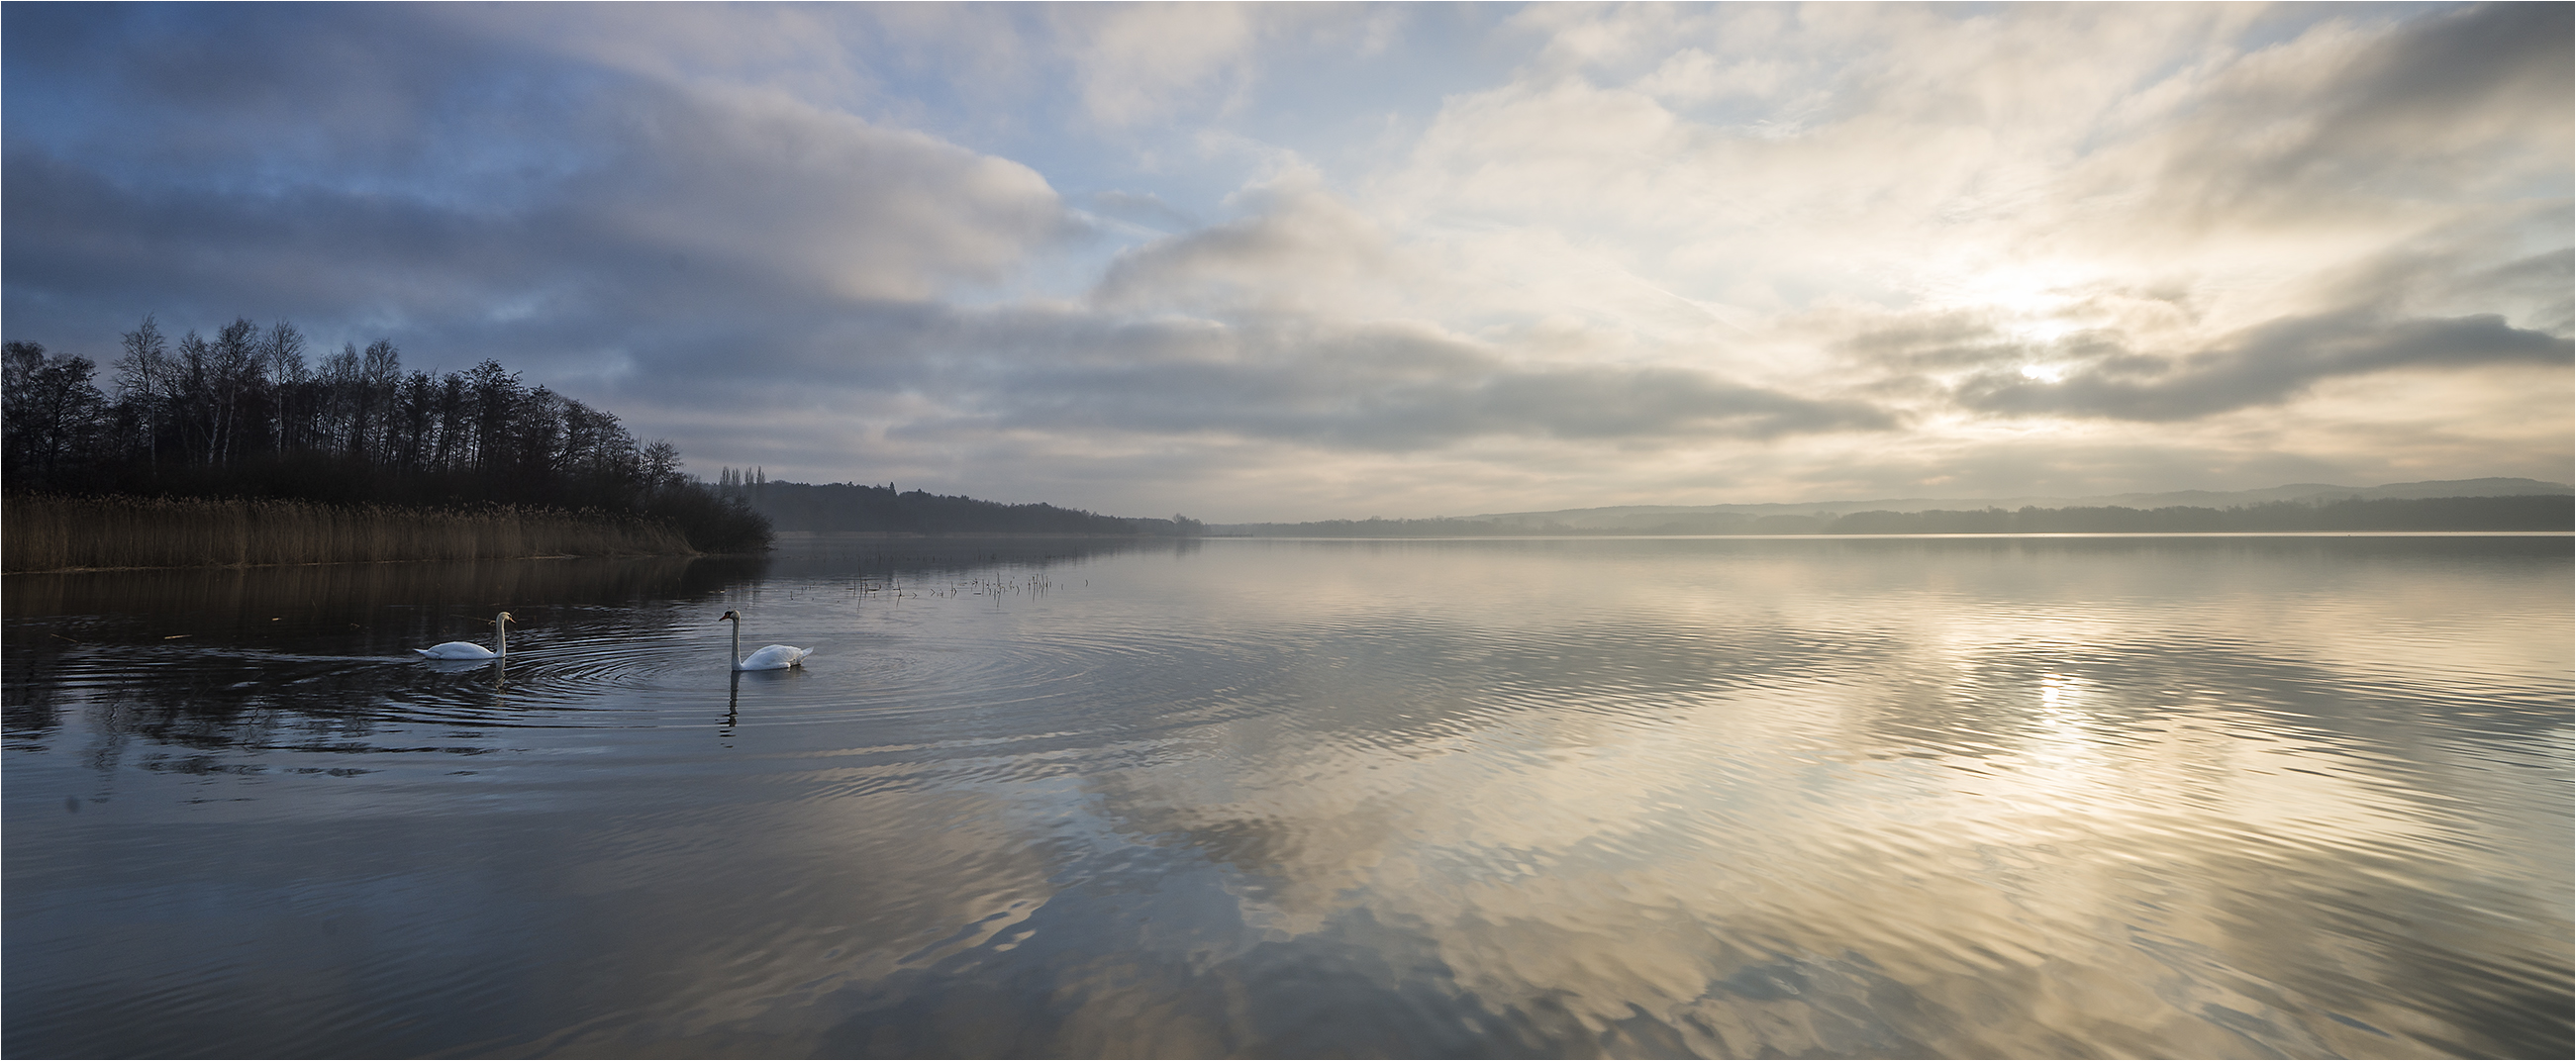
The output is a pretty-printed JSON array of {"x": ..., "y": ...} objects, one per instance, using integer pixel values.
[
  {"x": 500, "y": 638},
  {"x": 737, "y": 644}
]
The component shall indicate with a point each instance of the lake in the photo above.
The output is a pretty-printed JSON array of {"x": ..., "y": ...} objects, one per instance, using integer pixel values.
[{"x": 2047, "y": 796}]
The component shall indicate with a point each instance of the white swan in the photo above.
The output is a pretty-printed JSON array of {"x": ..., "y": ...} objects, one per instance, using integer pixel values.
[
  {"x": 470, "y": 650},
  {"x": 775, "y": 657}
]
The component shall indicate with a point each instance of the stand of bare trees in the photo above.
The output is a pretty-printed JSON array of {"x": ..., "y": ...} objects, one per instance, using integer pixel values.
[{"x": 245, "y": 413}]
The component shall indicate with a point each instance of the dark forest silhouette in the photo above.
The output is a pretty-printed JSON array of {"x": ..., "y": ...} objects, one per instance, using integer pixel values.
[
  {"x": 243, "y": 414},
  {"x": 883, "y": 509}
]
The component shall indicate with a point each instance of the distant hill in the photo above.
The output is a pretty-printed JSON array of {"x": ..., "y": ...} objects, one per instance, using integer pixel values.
[
  {"x": 1639, "y": 517},
  {"x": 2453, "y": 505},
  {"x": 881, "y": 509}
]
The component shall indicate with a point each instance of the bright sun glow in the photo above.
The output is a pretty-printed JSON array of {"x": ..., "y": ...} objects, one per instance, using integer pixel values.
[
  {"x": 2042, "y": 331},
  {"x": 2033, "y": 304},
  {"x": 2043, "y": 373}
]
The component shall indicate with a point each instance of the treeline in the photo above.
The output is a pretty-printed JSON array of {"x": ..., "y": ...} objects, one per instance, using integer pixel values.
[
  {"x": 2527, "y": 512},
  {"x": 245, "y": 413},
  {"x": 882, "y": 509},
  {"x": 1381, "y": 527},
  {"x": 43, "y": 532}
]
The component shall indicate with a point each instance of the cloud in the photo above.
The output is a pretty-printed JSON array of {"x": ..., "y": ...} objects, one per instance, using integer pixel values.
[
  {"x": 2478, "y": 94},
  {"x": 774, "y": 190},
  {"x": 1395, "y": 389},
  {"x": 1385, "y": 388},
  {"x": 1695, "y": 76},
  {"x": 1140, "y": 61},
  {"x": 677, "y": 202},
  {"x": 1301, "y": 250},
  {"x": 1271, "y": 258},
  {"x": 2263, "y": 366},
  {"x": 2345, "y": 119}
]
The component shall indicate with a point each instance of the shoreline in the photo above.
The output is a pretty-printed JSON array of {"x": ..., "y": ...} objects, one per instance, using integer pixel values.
[
  {"x": 350, "y": 563},
  {"x": 1827, "y": 536},
  {"x": 939, "y": 535},
  {"x": 51, "y": 534}
]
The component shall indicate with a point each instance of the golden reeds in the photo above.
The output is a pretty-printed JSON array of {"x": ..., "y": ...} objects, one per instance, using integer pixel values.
[{"x": 42, "y": 533}]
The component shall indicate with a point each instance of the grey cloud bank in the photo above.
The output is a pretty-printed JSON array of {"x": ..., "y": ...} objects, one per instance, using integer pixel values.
[
  {"x": 2269, "y": 364},
  {"x": 1262, "y": 264}
]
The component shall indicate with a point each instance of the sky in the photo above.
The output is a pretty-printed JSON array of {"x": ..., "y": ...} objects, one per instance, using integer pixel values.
[{"x": 1317, "y": 261}]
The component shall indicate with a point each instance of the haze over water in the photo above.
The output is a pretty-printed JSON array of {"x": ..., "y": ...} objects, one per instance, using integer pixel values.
[{"x": 1932, "y": 797}]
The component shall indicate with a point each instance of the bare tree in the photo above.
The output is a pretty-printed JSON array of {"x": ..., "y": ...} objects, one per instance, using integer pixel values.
[
  {"x": 236, "y": 375},
  {"x": 661, "y": 462},
  {"x": 283, "y": 349},
  {"x": 281, "y": 354},
  {"x": 143, "y": 382}
]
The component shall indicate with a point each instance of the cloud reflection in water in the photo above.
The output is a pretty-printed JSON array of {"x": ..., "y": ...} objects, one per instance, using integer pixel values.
[{"x": 1712, "y": 797}]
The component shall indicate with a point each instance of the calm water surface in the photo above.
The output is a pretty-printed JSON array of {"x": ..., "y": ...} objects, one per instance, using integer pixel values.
[{"x": 1964, "y": 797}]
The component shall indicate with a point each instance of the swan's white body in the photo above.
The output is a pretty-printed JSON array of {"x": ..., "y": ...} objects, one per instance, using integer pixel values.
[
  {"x": 470, "y": 650},
  {"x": 774, "y": 657}
]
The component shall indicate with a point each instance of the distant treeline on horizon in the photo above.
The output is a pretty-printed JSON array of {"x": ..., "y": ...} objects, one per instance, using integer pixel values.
[
  {"x": 244, "y": 414},
  {"x": 883, "y": 509},
  {"x": 2528, "y": 512}
]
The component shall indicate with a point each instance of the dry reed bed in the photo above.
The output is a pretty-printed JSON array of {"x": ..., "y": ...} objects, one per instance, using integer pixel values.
[{"x": 65, "y": 533}]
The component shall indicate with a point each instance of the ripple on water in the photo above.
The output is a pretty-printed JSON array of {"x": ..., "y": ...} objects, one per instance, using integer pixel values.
[{"x": 1714, "y": 816}]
